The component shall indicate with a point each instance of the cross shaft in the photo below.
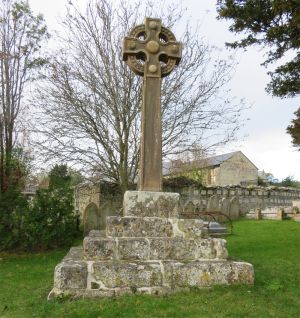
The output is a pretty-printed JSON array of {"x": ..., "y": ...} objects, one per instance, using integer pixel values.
[{"x": 151, "y": 51}]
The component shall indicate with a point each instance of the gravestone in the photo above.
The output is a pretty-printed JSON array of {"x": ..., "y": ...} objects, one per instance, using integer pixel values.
[
  {"x": 91, "y": 218},
  {"x": 149, "y": 249},
  {"x": 234, "y": 208},
  {"x": 224, "y": 206},
  {"x": 280, "y": 214},
  {"x": 213, "y": 203},
  {"x": 257, "y": 214},
  {"x": 189, "y": 208}
]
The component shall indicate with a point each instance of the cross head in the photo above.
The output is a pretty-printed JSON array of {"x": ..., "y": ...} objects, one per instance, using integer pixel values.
[{"x": 151, "y": 51}]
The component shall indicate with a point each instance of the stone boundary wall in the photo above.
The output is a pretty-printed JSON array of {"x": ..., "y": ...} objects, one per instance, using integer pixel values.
[
  {"x": 234, "y": 201},
  {"x": 249, "y": 198},
  {"x": 93, "y": 203},
  {"x": 85, "y": 194}
]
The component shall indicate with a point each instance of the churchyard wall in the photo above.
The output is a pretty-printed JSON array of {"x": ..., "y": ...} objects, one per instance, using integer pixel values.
[
  {"x": 234, "y": 201},
  {"x": 247, "y": 198},
  {"x": 93, "y": 202}
]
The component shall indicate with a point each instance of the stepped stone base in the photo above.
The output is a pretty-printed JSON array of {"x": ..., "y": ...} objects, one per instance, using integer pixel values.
[{"x": 154, "y": 254}]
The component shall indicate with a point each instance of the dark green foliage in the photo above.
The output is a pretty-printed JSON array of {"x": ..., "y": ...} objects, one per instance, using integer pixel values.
[
  {"x": 290, "y": 182},
  {"x": 49, "y": 220},
  {"x": 13, "y": 207},
  {"x": 294, "y": 130},
  {"x": 110, "y": 189},
  {"x": 285, "y": 81},
  {"x": 16, "y": 170},
  {"x": 180, "y": 182},
  {"x": 59, "y": 177},
  {"x": 76, "y": 177},
  {"x": 270, "y": 23}
]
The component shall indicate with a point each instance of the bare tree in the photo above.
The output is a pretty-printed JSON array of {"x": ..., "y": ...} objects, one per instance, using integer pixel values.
[
  {"x": 90, "y": 101},
  {"x": 21, "y": 34}
]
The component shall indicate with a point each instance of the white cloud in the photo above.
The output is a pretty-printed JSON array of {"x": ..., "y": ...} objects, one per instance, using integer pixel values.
[{"x": 273, "y": 153}]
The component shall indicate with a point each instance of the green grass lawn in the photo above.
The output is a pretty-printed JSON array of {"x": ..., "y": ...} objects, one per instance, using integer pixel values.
[{"x": 273, "y": 247}]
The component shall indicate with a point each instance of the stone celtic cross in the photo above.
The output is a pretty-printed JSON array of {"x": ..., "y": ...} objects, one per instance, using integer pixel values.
[{"x": 151, "y": 51}]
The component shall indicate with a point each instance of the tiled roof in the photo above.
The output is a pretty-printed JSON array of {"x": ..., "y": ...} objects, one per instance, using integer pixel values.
[
  {"x": 169, "y": 166},
  {"x": 217, "y": 160}
]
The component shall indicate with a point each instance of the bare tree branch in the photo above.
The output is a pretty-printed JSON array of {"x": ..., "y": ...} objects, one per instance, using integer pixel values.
[{"x": 90, "y": 101}]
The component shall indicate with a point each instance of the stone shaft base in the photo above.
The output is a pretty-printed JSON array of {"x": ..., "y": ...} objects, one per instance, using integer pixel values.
[{"x": 151, "y": 204}]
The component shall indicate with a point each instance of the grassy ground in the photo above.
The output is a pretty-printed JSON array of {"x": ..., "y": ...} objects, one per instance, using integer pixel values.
[{"x": 273, "y": 247}]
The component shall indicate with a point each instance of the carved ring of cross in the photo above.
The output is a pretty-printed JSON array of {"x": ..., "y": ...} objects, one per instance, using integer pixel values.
[{"x": 151, "y": 49}]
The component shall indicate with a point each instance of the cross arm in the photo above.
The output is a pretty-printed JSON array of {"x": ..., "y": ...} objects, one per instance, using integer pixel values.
[
  {"x": 171, "y": 49},
  {"x": 133, "y": 47}
]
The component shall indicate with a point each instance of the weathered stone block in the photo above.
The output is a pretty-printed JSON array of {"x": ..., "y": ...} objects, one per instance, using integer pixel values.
[
  {"x": 173, "y": 248},
  {"x": 211, "y": 249},
  {"x": 189, "y": 228},
  {"x": 74, "y": 254},
  {"x": 70, "y": 275},
  {"x": 128, "y": 274},
  {"x": 187, "y": 249},
  {"x": 151, "y": 204},
  {"x": 97, "y": 233},
  {"x": 207, "y": 273},
  {"x": 99, "y": 248},
  {"x": 133, "y": 249},
  {"x": 138, "y": 227},
  {"x": 154, "y": 227},
  {"x": 220, "y": 248}
]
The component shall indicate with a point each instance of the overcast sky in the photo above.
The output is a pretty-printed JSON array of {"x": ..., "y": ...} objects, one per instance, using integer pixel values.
[{"x": 267, "y": 145}]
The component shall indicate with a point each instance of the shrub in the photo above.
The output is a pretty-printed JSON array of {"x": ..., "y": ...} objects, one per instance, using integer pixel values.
[
  {"x": 51, "y": 222},
  {"x": 180, "y": 182},
  {"x": 48, "y": 222},
  {"x": 13, "y": 207}
]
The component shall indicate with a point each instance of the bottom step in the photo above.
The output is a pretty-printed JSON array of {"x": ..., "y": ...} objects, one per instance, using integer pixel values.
[{"x": 80, "y": 278}]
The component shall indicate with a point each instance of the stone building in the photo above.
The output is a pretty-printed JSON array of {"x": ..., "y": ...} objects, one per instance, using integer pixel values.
[{"x": 228, "y": 169}]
